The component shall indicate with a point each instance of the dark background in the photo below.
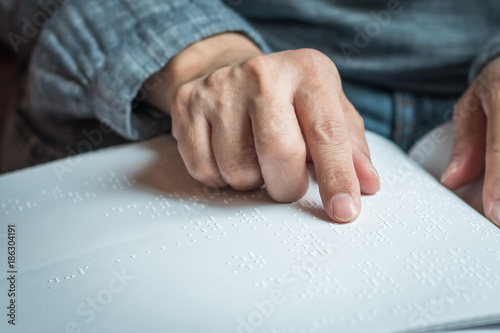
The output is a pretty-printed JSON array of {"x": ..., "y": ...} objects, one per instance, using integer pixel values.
[{"x": 8, "y": 88}]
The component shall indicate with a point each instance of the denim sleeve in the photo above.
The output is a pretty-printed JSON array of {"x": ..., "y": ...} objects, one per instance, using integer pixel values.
[
  {"x": 93, "y": 56},
  {"x": 489, "y": 52}
]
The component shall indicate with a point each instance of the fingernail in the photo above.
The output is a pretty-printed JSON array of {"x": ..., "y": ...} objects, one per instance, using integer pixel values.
[
  {"x": 343, "y": 207},
  {"x": 376, "y": 174},
  {"x": 451, "y": 169},
  {"x": 495, "y": 213}
]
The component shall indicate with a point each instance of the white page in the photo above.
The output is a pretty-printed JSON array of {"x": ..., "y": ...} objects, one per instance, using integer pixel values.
[
  {"x": 432, "y": 152},
  {"x": 123, "y": 240}
]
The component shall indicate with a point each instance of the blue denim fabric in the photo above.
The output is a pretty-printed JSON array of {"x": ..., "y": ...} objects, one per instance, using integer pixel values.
[
  {"x": 375, "y": 106},
  {"x": 399, "y": 116},
  {"x": 416, "y": 115}
]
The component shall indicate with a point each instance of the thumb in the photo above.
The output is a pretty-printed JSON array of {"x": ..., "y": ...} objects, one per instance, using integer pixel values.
[{"x": 467, "y": 159}]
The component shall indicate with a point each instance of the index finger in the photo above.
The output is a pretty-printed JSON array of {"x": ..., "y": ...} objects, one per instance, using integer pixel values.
[{"x": 327, "y": 136}]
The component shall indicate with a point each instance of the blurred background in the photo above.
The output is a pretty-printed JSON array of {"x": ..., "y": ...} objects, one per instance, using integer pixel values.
[{"x": 9, "y": 65}]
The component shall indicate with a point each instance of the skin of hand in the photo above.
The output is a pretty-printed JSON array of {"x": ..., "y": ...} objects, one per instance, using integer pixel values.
[
  {"x": 245, "y": 119},
  {"x": 477, "y": 139}
]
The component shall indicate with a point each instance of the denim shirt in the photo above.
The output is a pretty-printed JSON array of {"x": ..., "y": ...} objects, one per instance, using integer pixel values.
[{"x": 89, "y": 60}]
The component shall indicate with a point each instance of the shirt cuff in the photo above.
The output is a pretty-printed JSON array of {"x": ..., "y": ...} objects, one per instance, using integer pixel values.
[{"x": 148, "y": 48}]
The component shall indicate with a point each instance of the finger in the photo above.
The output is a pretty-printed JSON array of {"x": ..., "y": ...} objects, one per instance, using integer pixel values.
[
  {"x": 280, "y": 149},
  {"x": 325, "y": 129},
  {"x": 193, "y": 134},
  {"x": 468, "y": 155},
  {"x": 234, "y": 150},
  {"x": 368, "y": 177},
  {"x": 491, "y": 190}
]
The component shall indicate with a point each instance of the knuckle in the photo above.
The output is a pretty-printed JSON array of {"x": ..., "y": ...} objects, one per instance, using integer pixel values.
[
  {"x": 330, "y": 132},
  {"x": 241, "y": 177},
  {"x": 330, "y": 176},
  {"x": 281, "y": 149},
  {"x": 285, "y": 151},
  {"x": 199, "y": 167},
  {"x": 334, "y": 179},
  {"x": 201, "y": 171},
  {"x": 181, "y": 97},
  {"x": 318, "y": 65},
  {"x": 257, "y": 65},
  {"x": 314, "y": 57},
  {"x": 259, "y": 70},
  {"x": 217, "y": 79}
]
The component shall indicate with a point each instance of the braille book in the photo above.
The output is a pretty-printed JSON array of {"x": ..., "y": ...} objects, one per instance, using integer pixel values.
[{"x": 124, "y": 240}]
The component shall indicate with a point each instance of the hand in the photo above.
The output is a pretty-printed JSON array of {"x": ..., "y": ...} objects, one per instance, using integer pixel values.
[
  {"x": 477, "y": 139},
  {"x": 251, "y": 122}
]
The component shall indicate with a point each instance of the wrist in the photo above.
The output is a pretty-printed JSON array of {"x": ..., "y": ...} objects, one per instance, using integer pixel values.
[{"x": 195, "y": 61}]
